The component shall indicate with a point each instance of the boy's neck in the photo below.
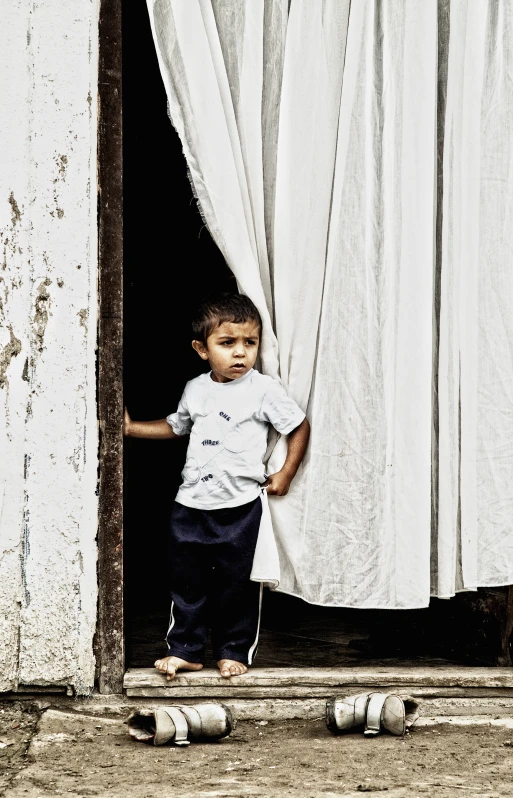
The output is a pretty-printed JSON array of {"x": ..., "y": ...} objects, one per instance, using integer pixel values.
[
  {"x": 221, "y": 379},
  {"x": 218, "y": 377}
]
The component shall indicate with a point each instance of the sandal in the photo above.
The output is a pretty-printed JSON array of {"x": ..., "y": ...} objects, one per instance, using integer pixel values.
[
  {"x": 179, "y": 724},
  {"x": 374, "y": 712}
]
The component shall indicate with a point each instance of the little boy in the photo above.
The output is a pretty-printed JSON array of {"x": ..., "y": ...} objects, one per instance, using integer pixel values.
[{"x": 216, "y": 515}]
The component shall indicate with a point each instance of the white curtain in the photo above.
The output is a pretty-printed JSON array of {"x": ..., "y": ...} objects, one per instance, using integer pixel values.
[
  {"x": 312, "y": 135},
  {"x": 475, "y": 381}
]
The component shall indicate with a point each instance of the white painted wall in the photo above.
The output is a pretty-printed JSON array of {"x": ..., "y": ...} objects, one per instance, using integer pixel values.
[{"x": 48, "y": 276}]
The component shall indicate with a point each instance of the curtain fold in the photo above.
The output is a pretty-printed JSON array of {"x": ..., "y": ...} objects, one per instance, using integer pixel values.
[
  {"x": 364, "y": 496},
  {"x": 352, "y": 161},
  {"x": 306, "y": 150},
  {"x": 217, "y": 137},
  {"x": 475, "y": 382}
]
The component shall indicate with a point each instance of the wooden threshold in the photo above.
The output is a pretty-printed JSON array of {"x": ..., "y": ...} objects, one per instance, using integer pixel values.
[{"x": 320, "y": 682}]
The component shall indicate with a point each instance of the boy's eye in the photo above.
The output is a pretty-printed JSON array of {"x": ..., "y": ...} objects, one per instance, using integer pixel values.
[
  {"x": 250, "y": 342},
  {"x": 227, "y": 343}
]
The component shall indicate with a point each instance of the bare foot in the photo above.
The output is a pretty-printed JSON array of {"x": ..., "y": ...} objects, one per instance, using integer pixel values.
[
  {"x": 230, "y": 667},
  {"x": 170, "y": 665}
]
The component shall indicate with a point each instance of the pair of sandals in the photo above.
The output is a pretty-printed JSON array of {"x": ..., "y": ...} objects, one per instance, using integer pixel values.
[{"x": 179, "y": 724}]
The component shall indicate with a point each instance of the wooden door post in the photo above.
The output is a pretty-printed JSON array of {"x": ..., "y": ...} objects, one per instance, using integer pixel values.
[
  {"x": 507, "y": 630},
  {"x": 110, "y": 633}
]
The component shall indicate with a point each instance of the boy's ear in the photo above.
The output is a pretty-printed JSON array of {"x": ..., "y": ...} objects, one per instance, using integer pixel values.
[{"x": 201, "y": 349}]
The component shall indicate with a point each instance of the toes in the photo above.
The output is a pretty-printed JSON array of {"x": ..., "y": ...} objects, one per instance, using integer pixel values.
[
  {"x": 232, "y": 668},
  {"x": 166, "y": 666}
]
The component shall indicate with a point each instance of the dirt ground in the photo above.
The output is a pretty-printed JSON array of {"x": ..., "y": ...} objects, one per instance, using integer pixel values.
[{"x": 61, "y": 753}]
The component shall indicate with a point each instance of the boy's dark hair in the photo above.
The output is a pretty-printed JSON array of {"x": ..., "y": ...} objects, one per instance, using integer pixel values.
[{"x": 214, "y": 311}]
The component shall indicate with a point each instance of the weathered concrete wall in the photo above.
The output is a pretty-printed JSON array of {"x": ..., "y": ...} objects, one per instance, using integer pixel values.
[{"x": 48, "y": 275}]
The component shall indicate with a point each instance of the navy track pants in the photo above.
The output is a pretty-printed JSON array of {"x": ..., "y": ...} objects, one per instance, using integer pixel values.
[{"x": 211, "y": 555}]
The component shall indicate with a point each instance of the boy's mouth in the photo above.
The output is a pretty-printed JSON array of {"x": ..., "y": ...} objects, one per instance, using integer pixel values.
[{"x": 238, "y": 366}]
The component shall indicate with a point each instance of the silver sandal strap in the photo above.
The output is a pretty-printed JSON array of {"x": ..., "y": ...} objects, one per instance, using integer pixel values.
[
  {"x": 181, "y": 728},
  {"x": 374, "y": 710},
  {"x": 193, "y": 720}
]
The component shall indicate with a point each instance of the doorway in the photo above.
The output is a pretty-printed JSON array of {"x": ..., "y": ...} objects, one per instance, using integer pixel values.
[{"x": 169, "y": 261}]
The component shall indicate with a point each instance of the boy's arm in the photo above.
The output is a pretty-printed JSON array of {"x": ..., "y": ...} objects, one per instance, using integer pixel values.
[
  {"x": 155, "y": 430},
  {"x": 278, "y": 484}
]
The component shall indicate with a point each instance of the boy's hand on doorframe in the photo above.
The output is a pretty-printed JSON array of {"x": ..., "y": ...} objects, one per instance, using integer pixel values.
[{"x": 126, "y": 422}]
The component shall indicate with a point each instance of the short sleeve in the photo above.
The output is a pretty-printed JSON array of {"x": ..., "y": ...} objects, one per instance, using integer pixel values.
[
  {"x": 180, "y": 422},
  {"x": 280, "y": 410}
]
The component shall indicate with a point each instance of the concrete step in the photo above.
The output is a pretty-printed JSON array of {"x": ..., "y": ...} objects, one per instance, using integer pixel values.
[{"x": 272, "y": 693}]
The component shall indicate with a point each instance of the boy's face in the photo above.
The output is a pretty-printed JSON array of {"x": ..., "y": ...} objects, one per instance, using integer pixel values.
[{"x": 231, "y": 349}]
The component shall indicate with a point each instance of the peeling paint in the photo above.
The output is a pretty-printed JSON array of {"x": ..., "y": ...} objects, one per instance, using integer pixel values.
[
  {"x": 10, "y": 350},
  {"x": 83, "y": 316},
  {"x": 42, "y": 312},
  {"x": 25, "y": 542},
  {"x": 62, "y": 164},
  {"x": 15, "y": 211},
  {"x": 75, "y": 459},
  {"x": 25, "y": 552}
]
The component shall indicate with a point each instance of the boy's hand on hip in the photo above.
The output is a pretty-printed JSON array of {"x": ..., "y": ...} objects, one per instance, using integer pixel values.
[{"x": 278, "y": 484}]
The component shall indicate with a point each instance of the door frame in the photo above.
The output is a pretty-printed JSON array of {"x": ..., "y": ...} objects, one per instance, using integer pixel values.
[
  {"x": 109, "y": 643},
  {"x": 109, "y": 640}
]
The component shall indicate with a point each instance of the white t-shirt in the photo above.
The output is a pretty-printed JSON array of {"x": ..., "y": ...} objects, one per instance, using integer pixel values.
[{"x": 228, "y": 423}]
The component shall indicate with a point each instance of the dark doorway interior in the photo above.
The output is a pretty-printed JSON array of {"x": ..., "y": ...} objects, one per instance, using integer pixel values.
[{"x": 169, "y": 260}]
